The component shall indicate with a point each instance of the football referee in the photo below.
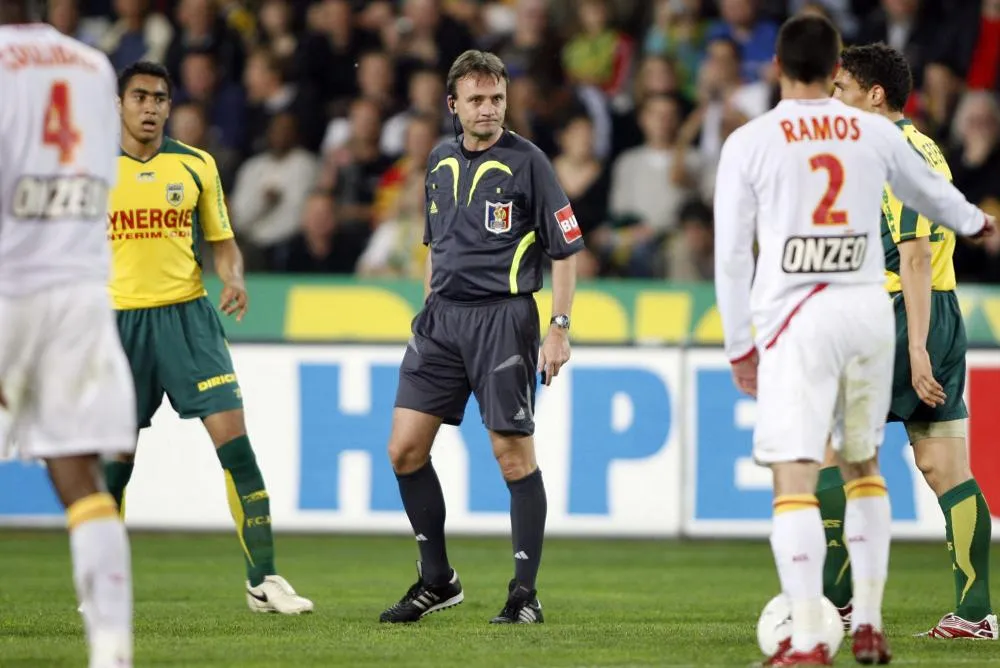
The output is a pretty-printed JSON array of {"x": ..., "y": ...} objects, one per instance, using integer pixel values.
[{"x": 493, "y": 207}]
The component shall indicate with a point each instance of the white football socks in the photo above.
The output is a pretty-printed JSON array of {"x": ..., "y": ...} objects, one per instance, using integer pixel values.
[
  {"x": 799, "y": 546},
  {"x": 102, "y": 574},
  {"x": 867, "y": 530}
]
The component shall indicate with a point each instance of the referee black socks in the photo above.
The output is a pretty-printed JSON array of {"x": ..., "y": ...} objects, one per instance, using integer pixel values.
[
  {"x": 528, "y": 507},
  {"x": 424, "y": 503}
]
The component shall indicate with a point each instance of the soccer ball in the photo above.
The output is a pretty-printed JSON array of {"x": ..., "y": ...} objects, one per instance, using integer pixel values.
[{"x": 775, "y": 625}]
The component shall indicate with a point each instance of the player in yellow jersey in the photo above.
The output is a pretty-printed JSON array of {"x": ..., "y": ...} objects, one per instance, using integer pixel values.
[
  {"x": 929, "y": 379},
  {"x": 167, "y": 198}
]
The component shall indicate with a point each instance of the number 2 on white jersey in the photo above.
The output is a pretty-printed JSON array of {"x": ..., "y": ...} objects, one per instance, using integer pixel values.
[
  {"x": 824, "y": 213},
  {"x": 58, "y": 130}
]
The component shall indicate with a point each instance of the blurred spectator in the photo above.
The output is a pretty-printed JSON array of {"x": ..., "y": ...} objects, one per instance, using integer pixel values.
[
  {"x": 839, "y": 12},
  {"x": 353, "y": 171},
  {"x": 138, "y": 34},
  {"x": 396, "y": 249},
  {"x": 376, "y": 16},
  {"x": 524, "y": 103},
  {"x": 317, "y": 248},
  {"x": 276, "y": 29},
  {"x": 199, "y": 27},
  {"x": 582, "y": 176},
  {"x": 901, "y": 25},
  {"x": 656, "y": 75},
  {"x": 468, "y": 13},
  {"x": 690, "y": 253},
  {"x": 648, "y": 185},
  {"x": 239, "y": 16},
  {"x": 189, "y": 124},
  {"x": 423, "y": 36},
  {"x": 375, "y": 81},
  {"x": 222, "y": 101},
  {"x": 724, "y": 104},
  {"x": 633, "y": 142},
  {"x": 427, "y": 98},
  {"x": 533, "y": 48},
  {"x": 269, "y": 94},
  {"x": 270, "y": 190},
  {"x": 327, "y": 57},
  {"x": 421, "y": 137},
  {"x": 975, "y": 166},
  {"x": 678, "y": 31},
  {"x": 721, "y": 81},
  {"x": 755, "y": 36},
  {"x": 966, "y": 52},
  {"x": 64, "y": 15},
  {"x": 598, "y": 55}
]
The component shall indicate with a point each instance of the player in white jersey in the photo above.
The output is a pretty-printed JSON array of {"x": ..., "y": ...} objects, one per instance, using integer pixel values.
[
  {"x": 64, "y": 380},
  {"x": 804, "y": 181}
]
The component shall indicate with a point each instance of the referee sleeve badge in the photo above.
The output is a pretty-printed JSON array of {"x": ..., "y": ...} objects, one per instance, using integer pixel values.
[{"x": 567, "y": 224}]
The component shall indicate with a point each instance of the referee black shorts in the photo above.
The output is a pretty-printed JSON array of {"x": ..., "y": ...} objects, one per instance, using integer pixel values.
[{"x": 489, "y": 349}]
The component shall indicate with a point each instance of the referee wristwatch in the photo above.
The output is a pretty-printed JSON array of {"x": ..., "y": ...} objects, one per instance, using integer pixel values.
[{"x": 561, "y": 321}]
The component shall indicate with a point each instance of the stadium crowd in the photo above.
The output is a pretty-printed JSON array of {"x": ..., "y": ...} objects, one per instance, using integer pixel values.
[{"x": 321, "y": 113}]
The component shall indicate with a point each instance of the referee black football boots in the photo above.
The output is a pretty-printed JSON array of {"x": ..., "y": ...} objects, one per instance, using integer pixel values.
[
  {"x": 522, "y": 607},
  {"x": 423, "y": 599}
]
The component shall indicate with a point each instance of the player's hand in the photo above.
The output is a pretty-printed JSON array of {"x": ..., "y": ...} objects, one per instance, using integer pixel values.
[
  {"x": 922, "y": 378},
  {"x": 989, "y": 227},
  {"x": 234, "y": 300},
  {"x": 3, "y": 399},
  {"x": 553, "y": 354},
  {"x": 745, "y": 374}
]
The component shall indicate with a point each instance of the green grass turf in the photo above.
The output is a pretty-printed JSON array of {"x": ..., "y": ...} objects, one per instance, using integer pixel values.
[{"x": 607, "y": 603}]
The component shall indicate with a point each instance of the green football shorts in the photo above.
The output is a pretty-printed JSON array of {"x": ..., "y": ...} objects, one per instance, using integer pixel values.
[{"x": 180, "y": 350}]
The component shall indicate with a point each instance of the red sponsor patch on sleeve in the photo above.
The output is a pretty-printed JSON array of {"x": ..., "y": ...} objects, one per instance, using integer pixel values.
[{"x": 567, "y": 223}]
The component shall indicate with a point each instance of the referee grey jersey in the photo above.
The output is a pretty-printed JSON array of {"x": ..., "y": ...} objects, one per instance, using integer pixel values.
[{"x": 489, "y": 217}]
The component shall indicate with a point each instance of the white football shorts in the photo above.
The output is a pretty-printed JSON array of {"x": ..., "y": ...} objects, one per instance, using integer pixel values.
[
  {"x": 829, "y": 370},
  {"x": 64, "y": 374}
]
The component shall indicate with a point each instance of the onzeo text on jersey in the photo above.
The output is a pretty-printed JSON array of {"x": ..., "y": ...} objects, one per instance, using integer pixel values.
[{"x": 821, "y": 255}]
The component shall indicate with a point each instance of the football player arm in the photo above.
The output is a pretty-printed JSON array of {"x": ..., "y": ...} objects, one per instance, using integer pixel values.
[
  {"x": 560, "y": 235},
  {"x": 229, "y": 265},
  {"x": 228, "y": 259},
  {"x": 919, "y": 187},
  {"x": 561, "y": 239},
  {"x": 735, "y": 221},
  {"x": 915, "y": 279},
  {"x": 563, "y": 286}
]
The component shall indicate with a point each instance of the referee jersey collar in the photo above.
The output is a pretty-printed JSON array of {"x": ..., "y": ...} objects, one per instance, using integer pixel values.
[{"x": 504, "y": 140}]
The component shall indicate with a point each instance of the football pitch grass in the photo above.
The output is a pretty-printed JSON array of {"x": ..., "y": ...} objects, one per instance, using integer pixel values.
[{"x": 607, "y": 603}]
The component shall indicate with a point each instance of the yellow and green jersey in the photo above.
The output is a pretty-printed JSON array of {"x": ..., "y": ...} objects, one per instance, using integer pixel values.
[
  {"x": 901, "y": 223},
  {"x": 159, "y": 211}
]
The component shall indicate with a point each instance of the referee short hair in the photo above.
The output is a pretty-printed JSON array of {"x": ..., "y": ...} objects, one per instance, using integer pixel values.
[
  {"x": 880, "y": 65},
  {"x": 473, "y": 62},
  {"x": 808, "y": 49}
]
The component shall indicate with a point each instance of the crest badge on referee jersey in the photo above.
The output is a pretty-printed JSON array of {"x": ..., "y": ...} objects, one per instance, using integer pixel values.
[
  {"x": 175, "y": 194},
  {"x": 498, "y": 216}
]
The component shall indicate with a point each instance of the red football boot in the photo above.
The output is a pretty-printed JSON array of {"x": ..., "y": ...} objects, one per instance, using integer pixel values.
[
  {"x": 952, "y": 626},
  {"x": 870, "y": 646},
  {"x": 786, "y": 656}
]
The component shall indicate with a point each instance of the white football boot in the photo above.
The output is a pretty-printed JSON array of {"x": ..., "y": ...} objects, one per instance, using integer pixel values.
[
  {"x": 110, "y": 650},
  {"x": 274, "y": 594}
]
